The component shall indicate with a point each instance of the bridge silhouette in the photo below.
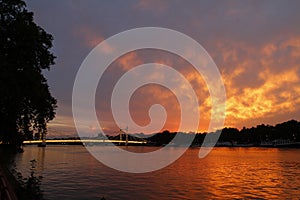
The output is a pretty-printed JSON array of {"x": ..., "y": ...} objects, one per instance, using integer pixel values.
[
  {"x": 120, "y": 141},
  {"x": 84, "y": 141}
]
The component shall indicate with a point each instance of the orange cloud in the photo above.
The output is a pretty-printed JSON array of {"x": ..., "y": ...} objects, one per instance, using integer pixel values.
[
  {"x": 147, "y": 94},
  {"x": 129, "y": 61},
  {"x": 258, "y": 102},
  {"x": 261, "y": 82},
  {"x": 92, "y": 38},
  {"x": 278, "y": 94}
]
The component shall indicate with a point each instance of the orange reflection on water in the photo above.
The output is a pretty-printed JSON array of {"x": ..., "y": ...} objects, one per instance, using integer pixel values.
[
  {"x": 226, "y": 173},
  {"x": 246, "y": 173}
]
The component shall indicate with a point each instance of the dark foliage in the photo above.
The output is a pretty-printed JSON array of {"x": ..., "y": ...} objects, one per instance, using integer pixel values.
[
  {"x": 26, "y": 188},
  {"x": 26, "y": 104},
  {"x": 254, "y": 135}
]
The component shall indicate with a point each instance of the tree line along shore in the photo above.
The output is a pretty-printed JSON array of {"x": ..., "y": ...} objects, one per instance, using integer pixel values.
[{"x": 286, "y": 134}]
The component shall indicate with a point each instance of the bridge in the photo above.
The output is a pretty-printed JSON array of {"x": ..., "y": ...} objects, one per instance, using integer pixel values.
[
  {"x": 119, "y": 141},
  {"x": 86, "y": 141}
]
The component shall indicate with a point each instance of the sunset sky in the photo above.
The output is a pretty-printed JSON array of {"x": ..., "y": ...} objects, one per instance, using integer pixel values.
[{"x": 255, "y": 44}]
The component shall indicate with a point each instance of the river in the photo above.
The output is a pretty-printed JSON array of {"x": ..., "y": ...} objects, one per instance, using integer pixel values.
[{"x": 70, "y": 172}]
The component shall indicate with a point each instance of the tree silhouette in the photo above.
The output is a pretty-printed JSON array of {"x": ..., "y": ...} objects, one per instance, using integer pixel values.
[{"x": 26, "y": 104}]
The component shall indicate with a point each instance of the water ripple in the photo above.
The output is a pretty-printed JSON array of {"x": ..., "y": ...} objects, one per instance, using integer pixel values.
[{"x": 227, "y": 173}]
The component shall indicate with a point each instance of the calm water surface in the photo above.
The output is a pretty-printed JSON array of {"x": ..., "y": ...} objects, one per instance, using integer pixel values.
[{"x": 69, "y": 172}]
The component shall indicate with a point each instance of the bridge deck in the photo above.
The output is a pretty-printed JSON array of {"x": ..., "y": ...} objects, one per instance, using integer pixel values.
[{"x": 83, "y": 141}]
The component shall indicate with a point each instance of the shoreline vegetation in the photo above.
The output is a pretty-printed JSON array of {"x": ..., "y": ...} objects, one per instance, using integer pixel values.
[
  {"x": 286, "y": 134},
  {"x": 13, "y": 184}
]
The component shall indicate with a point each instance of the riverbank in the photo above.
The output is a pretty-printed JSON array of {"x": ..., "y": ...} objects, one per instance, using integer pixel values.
[
  {"x": 7, "y": 189},
  {"x": 13, "y": 185}
]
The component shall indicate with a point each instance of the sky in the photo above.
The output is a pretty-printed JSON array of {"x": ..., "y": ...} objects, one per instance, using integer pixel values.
[{"x": 255, "y": 45}]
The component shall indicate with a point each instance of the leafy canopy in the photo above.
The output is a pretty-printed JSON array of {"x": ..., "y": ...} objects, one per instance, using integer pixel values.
[{"x": 26, "y": 105}]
